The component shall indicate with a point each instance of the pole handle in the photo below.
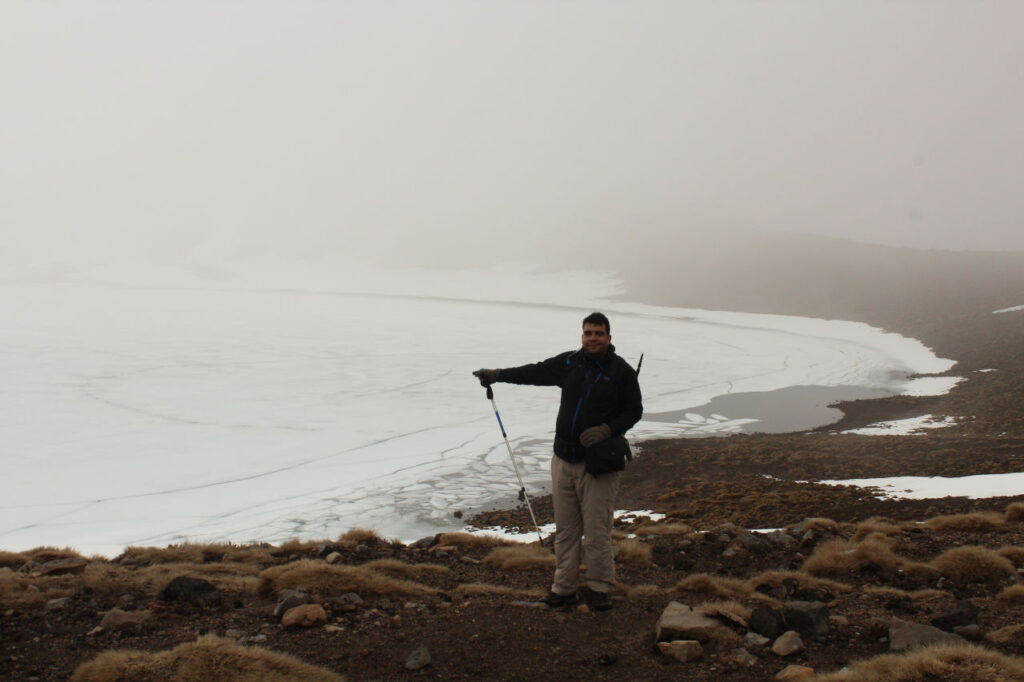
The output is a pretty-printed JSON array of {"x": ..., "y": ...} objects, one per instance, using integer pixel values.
[{"x": 490, "y": 393}]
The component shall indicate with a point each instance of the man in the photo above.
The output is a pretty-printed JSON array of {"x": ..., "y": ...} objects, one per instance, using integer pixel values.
[{"x": 600, "y": 402}]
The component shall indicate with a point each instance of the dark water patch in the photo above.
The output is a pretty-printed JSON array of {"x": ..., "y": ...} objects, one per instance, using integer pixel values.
[{"x": 794, "y": 408}]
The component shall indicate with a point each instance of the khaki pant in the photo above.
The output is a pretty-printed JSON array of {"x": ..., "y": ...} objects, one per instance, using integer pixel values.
[{"x": 583, "y": 518}]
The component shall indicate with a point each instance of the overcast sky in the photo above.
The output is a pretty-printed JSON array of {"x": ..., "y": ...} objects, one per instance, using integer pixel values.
[{"x": 211, "y": 129}]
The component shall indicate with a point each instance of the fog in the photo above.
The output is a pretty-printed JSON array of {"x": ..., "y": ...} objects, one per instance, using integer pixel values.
[{"x": 467, "y": 133}]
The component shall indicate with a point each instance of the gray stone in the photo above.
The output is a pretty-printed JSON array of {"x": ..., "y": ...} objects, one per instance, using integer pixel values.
[
  {"x": 962, "y": 613},
  {"x": 753, "y": 543},
  {"x": 333, "y": 558},
  {"x": 679, "y": 621},
  {"x": 57, "y": 604},
  {"x": 419, "y": 658},
  {"x": 289, "y": 599},
  {"x": 67, "y": 566},
  {"x": 807, "y": 617},
  {"x": 304, "y": 616},
  {"x": 767, "y": 621},
  {"x": 905, "y": 635},
  {"x": 424, "y": 543},
  {"x": 126, "y": 601},
  {"x": 191, "y": 590},
  {"x": 684, "y": 650},
  {"x": 781, "y": 538},
  {"x": 788, "y": 643},
  {"x": 754, "y": 641},
  {"x": 741, "y": 656},
  {"x": 234, "y": 634}
]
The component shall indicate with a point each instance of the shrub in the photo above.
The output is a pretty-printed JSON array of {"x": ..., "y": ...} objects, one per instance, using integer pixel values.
[
  {"x": 973, "y": 564},
  {"x": 1014, "y": 554},
  {"x": 332, "y": 581},
  {"x": 399, "y": 569},
  {"x": 978, "y": 521},
  {"x": 838, "y": 557},
  {"x": 633, "y": 552},
  {"x": 1014, "y": 593},
  {"x": 941, "y": 662},
  {"x": 1011, "y": 634},
  {"x": 520, "y": 556},
  {"x": 875, "y": 525},
  {"x": 209, "y": 658},
  {"x": 717, "y": 586},
  {"x": 1015, "y": 511}
]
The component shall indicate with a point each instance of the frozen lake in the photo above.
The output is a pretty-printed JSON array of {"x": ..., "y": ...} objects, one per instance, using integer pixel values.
[{"x": 152, "y": 416}]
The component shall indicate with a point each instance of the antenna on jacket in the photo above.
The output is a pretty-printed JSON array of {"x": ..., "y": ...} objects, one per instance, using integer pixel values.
[{"x": 639, "y": 364}]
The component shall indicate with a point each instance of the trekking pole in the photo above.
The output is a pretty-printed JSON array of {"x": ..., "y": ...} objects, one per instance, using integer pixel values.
[{"x": 522, "y": 486}]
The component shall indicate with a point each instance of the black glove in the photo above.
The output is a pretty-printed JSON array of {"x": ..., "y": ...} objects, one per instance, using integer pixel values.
[
  {"x": 595, "y": 434},
  {"x": 487, "y": 376}
]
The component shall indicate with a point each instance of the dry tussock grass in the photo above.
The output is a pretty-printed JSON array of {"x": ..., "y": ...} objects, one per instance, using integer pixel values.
[
  {"x": 633, "y": 552},
  {"x": 819, "y": 525},
  {"x": 353, "y": 537},
  {"x": 520, "y": 556},
  {"x": 484, "y": 589},
  {"x": 17, "y": 590},
  {"x": 296, "y": 546},
  {"x": 472, "y": 540},
  {"x": 197, "y": 553},
  {"x": 978, "y": 521},
  {"x": 1013, "y": 593},
  {"x": 1014, "y": 511},
  {"x": 1013, "y": 553},
  {"x": 1011, "y": 634},
  {"x": 875, "y": 525},
  {"x": 209, "y": 658},
  {"x": 927, "y": 595},
  {"x": 805, "y": 580},
  {"x": 641, "y": 591},
  {"x": 837, "y": 557},
  {"x": 332, "y": 581},
  {"x": 671, "y": 528},
  {"x": 12, "y": 559},
  {"x": 973, "y": 564},
  {"x": 731, "y": 607},
  {"x": 229, "y": 577},
  {"x": 717, "y": 586},
  {"x": 44, "y": 554},
  {"x": 944, "y": 662},
  {"x": 400, "y": 569}
]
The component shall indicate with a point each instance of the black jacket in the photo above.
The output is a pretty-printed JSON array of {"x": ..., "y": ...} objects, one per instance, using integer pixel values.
[{"x": 595, "y": 391}]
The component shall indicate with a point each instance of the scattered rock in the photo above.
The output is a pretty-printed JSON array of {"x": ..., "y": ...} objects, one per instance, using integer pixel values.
[
  {"x": 333, "y": 558},
  {"x": 752, "y": 640},
  {"x": 753, "y": 543},
  {"x": 807, "y": 617},
  {"x": 305, "y": 616},
  {"x": 795, "y": 672},
  {"x": 962, "y": 613},
  {"x": 68, "y": 566},
  {"x": 767, "y": 621},
  {"x": 679, "y": 621},
  {"x": 289, "y": 599},
  {"x": 234, "y": 634},
  {"x": 741, "y": 656},
  {"x": 333, "y": 628},
  {"x": 904, "y": 635},
  {"x": 190, "y": 590},
  {"x": 424, "y": 543},
  {"x": 781, "y": 538},
  {"x": 348, "y": 602},
  {"x": 419, "y": 658},
  {"x": 57, "y": 604},
  {"x": 684, "y": 650},
  {"x": 325, "y": 549},
  {"x": 126, "y": 601},
  {"x": 788, "y": 643},
  {"x": 116, "y": 619}
]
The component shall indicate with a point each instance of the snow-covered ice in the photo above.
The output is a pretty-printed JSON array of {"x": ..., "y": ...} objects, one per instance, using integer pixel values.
[
  {"x": 151, "y": 416},
  {"x": 1008, "y": 310},
  {"x": 904, "y": 427},
  {"x": 925, "y": 487}
]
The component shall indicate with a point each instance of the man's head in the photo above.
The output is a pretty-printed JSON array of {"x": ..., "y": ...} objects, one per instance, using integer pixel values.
[{"x": 597, "y": 335}]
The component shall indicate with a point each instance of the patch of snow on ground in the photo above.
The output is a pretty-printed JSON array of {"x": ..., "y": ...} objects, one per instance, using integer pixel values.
[
  {"x": 982, "y": 371},
  {"x": 925, "y": 487},
  {"x": 1008, "y": 310},
  {"x": 904, "y": 427},
  {"x": 930, "y": 386}
]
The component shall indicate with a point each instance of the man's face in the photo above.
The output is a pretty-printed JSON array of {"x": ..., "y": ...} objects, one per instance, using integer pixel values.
[{"x": 596, "y": 339}]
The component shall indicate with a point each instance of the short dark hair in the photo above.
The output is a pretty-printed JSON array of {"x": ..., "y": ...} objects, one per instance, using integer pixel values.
[{"x": 598, "y": 318}]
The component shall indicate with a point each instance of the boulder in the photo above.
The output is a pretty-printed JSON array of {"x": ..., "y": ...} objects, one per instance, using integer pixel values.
[
  {"x": 807, "y": 617},
  {"x": 788, "y": 643},
  {"x": 289, "y": 599},
  {"x": 962, "y": 613},
  {"x": 767, "y": 621},
  {"x": 679, "y": 621},
  {"x": 304, "y": 616},
  {"x": 71, "y": 565},
  {"x": 684, "y": 650},
  {"x": 905, "y": 635},
  {"x": 190, "y": 590},
  {"x": 752, "y": 543},
  {"x": 419, "y": 658}
]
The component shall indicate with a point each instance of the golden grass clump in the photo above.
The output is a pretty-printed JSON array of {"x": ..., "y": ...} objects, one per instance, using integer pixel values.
[
  {"x": 230, "y": 577},
  {"x": 671, "y": 528},
  {"x": 838, "y": 557},
  {"x": 12, "y": 559},
  {"x": 804, "y": 579},
  {"x": 939, "y": 662},
  {"x": 1011, "y": 634},
  {"x": 633, "y": 552},
  {"x": 973, "y": 564},
  {"x": 331, "y": 581},
  {"x": 818, "y": 525},
  {"x": 926, "y": 595},
  {"x": 22, "y": 591},
  {"x": 471, "y": 540},
  {"x": 355, "y": 536},
  {"x": 209, "y": 658},
  {"x": 1014, "y": 511},
  {"x": 641, "y": 591},
  {"x": 1013, "y": 553},
  {"x": 400, "y": 569},
  {"x": 875, "y": 525},
  {"x": 978, "y": 521},
  {"x": 520, "y": 556},
  {"x": 44, "y": 554},
  {"x": 730, "y": 607},
  {"x": 485, "y": 589},
  {"x": 717, "y": 586},
  {"x": 296, "y": 546},
  {"x": 1013, "y": 593}
]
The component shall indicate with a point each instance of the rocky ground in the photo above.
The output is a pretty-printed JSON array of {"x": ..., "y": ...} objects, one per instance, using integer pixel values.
[{"x": 854, "y": 575}]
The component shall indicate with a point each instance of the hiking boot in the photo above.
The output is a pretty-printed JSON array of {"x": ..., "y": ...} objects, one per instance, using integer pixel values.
[
  {"x": 600, "y": 601},
  {"x": 555, "y": 600}
]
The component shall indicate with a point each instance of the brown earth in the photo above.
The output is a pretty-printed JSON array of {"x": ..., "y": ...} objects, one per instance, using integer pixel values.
[{"x": 754, "y": 481}]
